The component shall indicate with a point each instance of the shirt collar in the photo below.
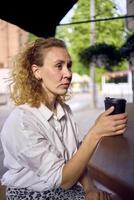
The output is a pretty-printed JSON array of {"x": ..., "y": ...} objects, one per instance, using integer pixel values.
[
  {"x": 60, "y": 111},
  {"x": 47, "y": 113}
]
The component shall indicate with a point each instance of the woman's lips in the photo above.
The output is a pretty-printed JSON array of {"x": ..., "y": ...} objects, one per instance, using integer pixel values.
[{"x": 65, "y": 84}]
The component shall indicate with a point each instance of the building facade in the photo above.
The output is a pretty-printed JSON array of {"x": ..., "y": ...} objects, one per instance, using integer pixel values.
[
  {"x": 11, "y": 40},
  {"x": 130, "y": 11}
]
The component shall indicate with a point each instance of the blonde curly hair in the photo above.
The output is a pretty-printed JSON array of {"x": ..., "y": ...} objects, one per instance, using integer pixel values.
[{"x": 25, "y": 88}]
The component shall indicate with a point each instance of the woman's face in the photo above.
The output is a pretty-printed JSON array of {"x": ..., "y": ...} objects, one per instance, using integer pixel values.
[{"x": 56, "y": 72}]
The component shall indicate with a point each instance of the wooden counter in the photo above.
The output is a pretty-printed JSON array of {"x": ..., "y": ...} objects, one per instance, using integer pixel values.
[{"x": 112, "y": 163}]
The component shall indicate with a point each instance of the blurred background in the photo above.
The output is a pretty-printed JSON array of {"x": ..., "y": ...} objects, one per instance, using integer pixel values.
[{"x": 100, "y": 38}]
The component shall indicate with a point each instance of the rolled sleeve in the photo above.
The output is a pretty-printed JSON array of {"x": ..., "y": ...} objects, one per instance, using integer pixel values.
[
  {"x": 44, "y": 160},
  {"x": 35, "y": 149},
  {"x": 38, "y": 153}
]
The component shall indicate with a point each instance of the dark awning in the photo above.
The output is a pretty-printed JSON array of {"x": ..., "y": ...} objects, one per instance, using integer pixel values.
[{"x": 38, "y": 17}]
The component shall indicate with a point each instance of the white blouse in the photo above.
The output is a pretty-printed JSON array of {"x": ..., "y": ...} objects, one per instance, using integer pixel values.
[{"x": 36, "y": 145}]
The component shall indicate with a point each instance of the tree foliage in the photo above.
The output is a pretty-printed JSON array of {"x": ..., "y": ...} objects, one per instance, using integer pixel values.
[
  {"x": 128, "y": 47},
  {"x": 77, "y": 36},
  {"x": 101, "y": 54}
]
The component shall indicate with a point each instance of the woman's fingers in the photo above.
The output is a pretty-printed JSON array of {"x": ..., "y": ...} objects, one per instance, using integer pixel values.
[
  {"x": 107, "y": 196},
  {"x": 115, "y": 116},
  {"x": 119, "y": 132},
  {"x": 100, "y": 195},
  {"x": 120, "y": 127},
  {"x": 93, "y": 195},
  {"x": 104, "y": 196},
  {"x": 108, "y": 111},
  {"x": 119, "y": 116},
  {"x": 109, "y": 125},
  {"x": 119, "y": 122}
]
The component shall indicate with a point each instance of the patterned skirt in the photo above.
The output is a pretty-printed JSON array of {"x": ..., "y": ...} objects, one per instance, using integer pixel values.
[{"x": 74, "y": 193}]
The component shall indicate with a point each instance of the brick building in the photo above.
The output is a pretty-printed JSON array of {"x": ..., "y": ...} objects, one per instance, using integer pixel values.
[
  {"x": 130, "y": 11},
  {"x": 11, "y": 39}
]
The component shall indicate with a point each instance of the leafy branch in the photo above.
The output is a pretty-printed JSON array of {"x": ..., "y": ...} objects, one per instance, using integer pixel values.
[
  {"x": 102, "y": 54},
  {"x": 128, "y": 47}
]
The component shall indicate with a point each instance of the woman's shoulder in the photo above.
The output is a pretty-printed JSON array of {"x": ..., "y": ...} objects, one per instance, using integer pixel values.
[
  {"x": 12, "y": 120},
  {"x": 18, "y": 110},
  {"x": 17, "y": 113}
]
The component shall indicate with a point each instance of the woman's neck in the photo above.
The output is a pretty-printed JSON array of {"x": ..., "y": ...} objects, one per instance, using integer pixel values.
[{"x": 52, "y": 101}]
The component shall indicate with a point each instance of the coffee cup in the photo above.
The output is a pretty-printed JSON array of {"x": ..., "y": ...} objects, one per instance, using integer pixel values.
[{"x": 118, "y": 103}]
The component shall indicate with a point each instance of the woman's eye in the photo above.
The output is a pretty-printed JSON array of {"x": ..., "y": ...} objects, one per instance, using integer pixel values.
[
  {"x": 59, "y": 66},
  {"x": 69, "y": 66}
]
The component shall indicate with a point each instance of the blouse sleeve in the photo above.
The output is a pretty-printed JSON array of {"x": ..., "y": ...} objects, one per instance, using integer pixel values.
[{"x": 38, "y": 154}]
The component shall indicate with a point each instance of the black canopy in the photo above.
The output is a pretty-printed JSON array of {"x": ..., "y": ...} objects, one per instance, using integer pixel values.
[{"x": 38, "y": 17}]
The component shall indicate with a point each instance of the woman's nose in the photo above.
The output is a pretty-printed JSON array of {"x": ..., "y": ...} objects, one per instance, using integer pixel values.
[{"x": 68, "y": 73}]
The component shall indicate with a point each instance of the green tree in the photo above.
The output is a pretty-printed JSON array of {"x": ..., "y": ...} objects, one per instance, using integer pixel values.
[
  {"x": 77, "y": 36},
  {"x": 102, "y": 54},
  {"x": 128, "y": 47}
]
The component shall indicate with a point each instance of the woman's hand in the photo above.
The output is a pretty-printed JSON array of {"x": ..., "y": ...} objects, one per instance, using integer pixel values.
[
  {"x": 97, "y": 195},
  {"x": 100, "y": 195},
  {"x": 109, "y": 125}
]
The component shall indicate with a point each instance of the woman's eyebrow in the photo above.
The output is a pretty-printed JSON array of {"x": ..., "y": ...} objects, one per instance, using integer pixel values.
[{"x": 63, "y": 61}]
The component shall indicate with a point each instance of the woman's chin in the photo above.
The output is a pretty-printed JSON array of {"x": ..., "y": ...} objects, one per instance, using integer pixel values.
[{"x": 62, "y": 92}]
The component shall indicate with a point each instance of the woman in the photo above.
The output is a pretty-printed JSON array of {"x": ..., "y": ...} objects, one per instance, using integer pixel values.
[{"x": 44, "y": 157}]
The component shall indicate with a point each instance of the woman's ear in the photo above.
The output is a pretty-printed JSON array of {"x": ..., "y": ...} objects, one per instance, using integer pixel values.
[{"x": 36, "y": 71}]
